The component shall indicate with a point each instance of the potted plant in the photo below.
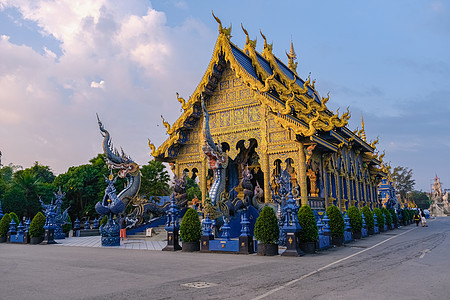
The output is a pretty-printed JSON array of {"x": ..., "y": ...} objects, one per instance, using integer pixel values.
[
  {"x": 387, "y": 214},
  {"x": 308, "y": 234},
  {"x": 369, "y": 219},
  {"x": 36, "y": 229},
  {"x": 405, "y": 215},
  {"x": 355, "y": 221},
  {"x": 191, "y": 231},
  {"x": 380, "y": 218},
  {"x": 4, "y": 227},
  {"x": 67, "y": 226},
  {"x": 267, "y": 232},
  {"x": 394, "y": 217},
  {"x": 337, "y": 225}
]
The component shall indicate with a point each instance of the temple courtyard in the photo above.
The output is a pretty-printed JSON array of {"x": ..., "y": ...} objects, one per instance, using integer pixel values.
[{"x": 407, "y": 263}]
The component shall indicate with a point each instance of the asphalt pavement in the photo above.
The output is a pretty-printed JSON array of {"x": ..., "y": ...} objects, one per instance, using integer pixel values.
[{"x": 406, "y": 263}]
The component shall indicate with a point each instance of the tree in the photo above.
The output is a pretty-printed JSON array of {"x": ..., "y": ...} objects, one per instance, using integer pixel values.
[
  {"x": 420, "y": 198},
  {"x": 155, "y": 179},
  {"x": 84, "y": 186},
  {"x": 192, "y": 189},
  {"x": 33, "y": 182},
  {"x": 402, "y": 177}
]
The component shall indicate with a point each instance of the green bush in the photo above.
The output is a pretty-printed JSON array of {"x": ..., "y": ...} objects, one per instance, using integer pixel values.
[
  {"x": 68, "y": 226},
  {"x": 355, "y": 219},
  {"x": 307, "y": 220},
  {"x": 337, "y": 225},
  {"x": 37, "y": 225},
  {"x": 4, "y": 225},
  {"x": 388, "y": 216},
  {"x": 393, "y": 216},
  {"x": 190, "y": 227},
  {"x": 266, "y": 226},
  {"x": 369, "y": 217},
  {"x": 379, "y": 215},
  {"x": 104, "y": 220},
  {"x": 15, "y": 218}
]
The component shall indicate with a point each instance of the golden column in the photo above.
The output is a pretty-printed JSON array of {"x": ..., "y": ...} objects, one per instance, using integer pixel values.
[
  {"x": 265, "y": 150},
  {"x": 302, "y": 174}
]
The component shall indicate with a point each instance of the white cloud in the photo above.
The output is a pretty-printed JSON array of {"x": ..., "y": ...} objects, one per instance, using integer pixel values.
[
  {"x": 100, "y": 84},
  {"x": 48, "y": 104}
]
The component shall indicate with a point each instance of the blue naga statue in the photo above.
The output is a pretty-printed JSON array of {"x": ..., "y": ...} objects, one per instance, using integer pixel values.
[
  {"x": 218, "y": 160},
  {"x": 127, "y": 169},
  {"x": 61, "y": 217},
  {"x": 113, "y": 204}
]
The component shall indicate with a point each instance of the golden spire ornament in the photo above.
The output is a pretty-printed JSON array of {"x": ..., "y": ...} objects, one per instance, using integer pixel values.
[{"x": 292, "y": 56}]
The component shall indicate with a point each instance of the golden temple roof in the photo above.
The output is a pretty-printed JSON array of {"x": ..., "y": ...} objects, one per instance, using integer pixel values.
[{"x": 295, "y": 103}]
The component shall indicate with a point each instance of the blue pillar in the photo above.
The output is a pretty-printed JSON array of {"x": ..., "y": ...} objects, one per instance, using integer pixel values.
[{"x": 207, "y": 234}]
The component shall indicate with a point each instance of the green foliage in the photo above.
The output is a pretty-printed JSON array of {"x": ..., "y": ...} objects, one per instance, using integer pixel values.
[
  {"x": 379, "y": 215},
  {"x": 388, "y": 216},
  {"x": 15, "y": 218},
  {"x": 420, "y": 198},
  {"x": 190, "y": 227},
  {"x": 192, "y": 189},
  {"x": 369, "y": 217},
  {"x": 68, "y": 225},
  {"x": 85, "y": 185},
  {"x": 337, "y": 224},
  {"x": 355, "y": 219},
  {"x": 393, "y": 216},
  {"x": 37, "y": 225},
  {"x": 307, "y": 220},
  {"x": 21, "y": 188},
  {"x": 155, "y": 179},
  {"x": 266, "y": 226},
  {"x": 104, "y": 220},
  {"x": 402, "y": 177},
  {"x": 4, "y": 225},
  {"x": 14, "y": 199}
]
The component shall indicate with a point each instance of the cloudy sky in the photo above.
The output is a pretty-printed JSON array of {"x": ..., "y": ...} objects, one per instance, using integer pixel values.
[{"x": 63, "y": 61}]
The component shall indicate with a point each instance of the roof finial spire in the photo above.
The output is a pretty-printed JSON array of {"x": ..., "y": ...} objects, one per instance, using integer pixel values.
[
  {"x": 292, "y": 56},
  {"x": 363, "y": 132},
  {"x": 222, "y": 30}
]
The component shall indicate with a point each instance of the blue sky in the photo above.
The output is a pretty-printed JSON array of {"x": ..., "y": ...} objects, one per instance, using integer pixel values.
[{"x": 61, "y": 62}]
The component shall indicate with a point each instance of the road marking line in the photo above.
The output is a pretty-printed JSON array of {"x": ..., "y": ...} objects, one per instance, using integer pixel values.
[
  {"x": 325, "y": 267},
  {"x": 424, "y": 252}
]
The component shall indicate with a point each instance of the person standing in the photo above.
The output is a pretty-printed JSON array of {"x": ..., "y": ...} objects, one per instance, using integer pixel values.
[
  {"x": 123, "y": 229},
  {"x": 424, "y": 220},
  {"x": 417, "y": 218}
]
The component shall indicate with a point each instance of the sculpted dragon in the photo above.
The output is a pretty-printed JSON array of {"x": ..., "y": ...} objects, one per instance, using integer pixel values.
[
  {"x": 127, "y": 169},
  {"x": 218, "y": 159}
]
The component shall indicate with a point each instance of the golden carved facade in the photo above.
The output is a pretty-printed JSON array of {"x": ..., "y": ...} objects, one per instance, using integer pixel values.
[{"x": 272, "y": 120}]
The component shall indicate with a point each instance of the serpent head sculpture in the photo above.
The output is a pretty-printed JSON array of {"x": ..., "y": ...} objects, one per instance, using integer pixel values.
[{"x": 126, "y": 167}]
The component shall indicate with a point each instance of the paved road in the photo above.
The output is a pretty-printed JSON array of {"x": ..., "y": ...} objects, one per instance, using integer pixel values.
[{"x": 407, "y": 263}]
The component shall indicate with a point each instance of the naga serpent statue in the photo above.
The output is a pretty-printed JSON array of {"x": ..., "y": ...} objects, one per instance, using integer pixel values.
[
  {"x": 127, "y": 169},
  {"x": 144, "y": 208},
  {"x": 218, "y": 159}
]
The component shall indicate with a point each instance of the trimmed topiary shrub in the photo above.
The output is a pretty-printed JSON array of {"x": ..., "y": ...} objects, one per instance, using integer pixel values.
[
  {"x": 37, "y": 225},
  {"x": 369, "y": 217},
  {"x": 68, "y": 226},
  {"x": 393, "y": 216},
  {"x": 266, "y": 226},
  {"x": 379, "y": 215},
  {"x": 388, "y": 217},
  {"x": 337, "y": 224},
  {"x": 104, "y": 220},
  {"x": 190, "y": 227},
  {"x": 15, "y": 218},
  {"x": 307, "y": 220},
  {"x": 4, "y": 225},
  {"x": 355, "y": 219}
]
